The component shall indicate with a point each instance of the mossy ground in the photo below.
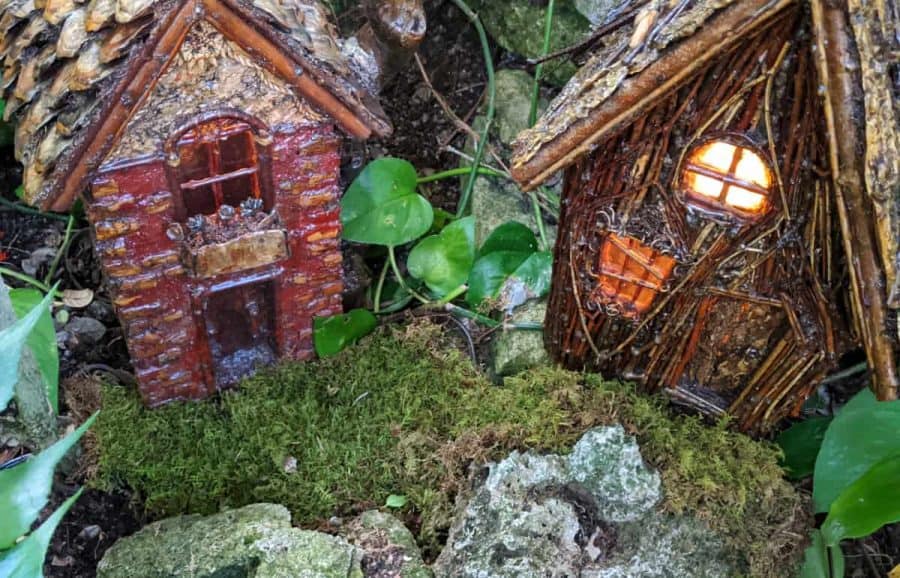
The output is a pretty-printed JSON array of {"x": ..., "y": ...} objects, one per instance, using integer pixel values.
[{"x": 398, "y": 414}]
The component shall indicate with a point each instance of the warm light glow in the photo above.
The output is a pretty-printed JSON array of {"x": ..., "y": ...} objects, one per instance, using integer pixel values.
[
  {"x": 744, "y": 199},
  {"x": 732, "y": 174},
  {"x": 716, "y": 155}
]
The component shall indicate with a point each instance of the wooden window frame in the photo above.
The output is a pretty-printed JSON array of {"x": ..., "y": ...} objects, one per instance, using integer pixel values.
[
  {"x": 719, "y": 205},
  {"x": 618, "y": 286},
  {"x": 261, "y": 159}
]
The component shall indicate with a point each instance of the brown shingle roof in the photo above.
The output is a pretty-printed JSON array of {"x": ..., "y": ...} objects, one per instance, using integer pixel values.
[
  {"x": 635, "y": 64},
  {"x": 66, "y": 64}
]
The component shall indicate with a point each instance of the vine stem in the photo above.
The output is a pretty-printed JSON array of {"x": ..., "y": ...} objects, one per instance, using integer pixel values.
[
  {"x": 539, "y": 69},
  {"x": 482, "y": 170},
  {"x": 492, "y": 93},
  {"x": 62, "y": 250},
  {"x": 493, "y": 323},
  {"x": 379, "y": 287},
  {"x": 25, "y": 278},
  {"x": 29, "y": 211},
  {"x": 393, "y": 261}
]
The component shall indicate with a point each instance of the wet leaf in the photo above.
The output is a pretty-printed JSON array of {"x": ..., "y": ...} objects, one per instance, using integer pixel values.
[
  {"x": 41, "y": 340},
  {"x": 444, "y": 261},
  {"x": 800, "y": 444},
  {"x": 25, "y": 488},
  {"x": 535, "y": 273},
  {"x": 26, "y": 559},
  {"x": 382, "y": 207},
  {"x": 511, "y": 236},
  {"x": 12, "y": 340},
  {"x": 332, "y": 334},
  {"x": 861, "y": 435},
  {"x": 490, "y": 273},
  {"x": 867, "y": 504}
]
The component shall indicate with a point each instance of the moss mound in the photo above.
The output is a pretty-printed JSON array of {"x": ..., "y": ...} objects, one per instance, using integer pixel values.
[{"x": 399, "y": 415}]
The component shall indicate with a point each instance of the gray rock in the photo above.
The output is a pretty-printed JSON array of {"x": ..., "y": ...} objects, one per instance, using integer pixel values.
[
  {"x": 513, "y": 104},
  {"x": 86, "y": 330},
  {"x": 550, "y": 515},
  {"x": 255, "y": 541},
  {"x": 597, "y": 11},
  {"x": 516, "y": 351},
  {"x": 389, "y": 548},
  {"x": 609, "y": 465},
  {"x": 518, "y": 26}
]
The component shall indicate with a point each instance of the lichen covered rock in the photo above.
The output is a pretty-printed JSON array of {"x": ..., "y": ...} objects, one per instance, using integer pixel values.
[
  {"x": 389, "y": 548},
  {"x": 254, "y": 541},
  {"x": 591, "y": 513}
]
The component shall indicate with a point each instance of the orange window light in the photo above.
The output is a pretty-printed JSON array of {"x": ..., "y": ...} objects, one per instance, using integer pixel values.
[
  {"x": 630, "y": 276},
  {"x": 721, "y": 175}
]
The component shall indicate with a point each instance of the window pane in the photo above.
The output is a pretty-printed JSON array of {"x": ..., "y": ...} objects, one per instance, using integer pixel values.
[
  {"x": 236, "y": 152},
  {"x": 199, "y": 201},
  {"x": 743, "y": 199},
  {"x": 716, "y": 155},
  {"x": 237, "y": 189},
  {"x": 752, "y": 169},
  {"x": 706, "y": 186},
  {"x": 195, "y": 162}
]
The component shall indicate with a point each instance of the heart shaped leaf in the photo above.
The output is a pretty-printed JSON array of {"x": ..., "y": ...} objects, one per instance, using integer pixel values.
[
  {"x": 382, "y": 207},
  {"x": 867, "y": 504},
  {"x": 511, "y": 236},
  {"x": 25, "y": 488},
  {"x": 332, "y": 334},
  {"x": 444, "y": 261},
  {"x": 490, "y": 273},
  {"x": 861, "y": 435},
  {"x": 510, "y": 267}
]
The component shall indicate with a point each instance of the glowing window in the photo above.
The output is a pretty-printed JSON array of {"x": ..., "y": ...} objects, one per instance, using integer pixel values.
[
  {"x": 723, "y": 176},
  {"x": 630, "y": 276}
]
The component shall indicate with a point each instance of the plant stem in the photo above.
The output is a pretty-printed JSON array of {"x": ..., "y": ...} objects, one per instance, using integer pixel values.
[
  {"x": 539, "y": 220},
  {"x": 393, "y": 261},
  {"x": 492, "y": 93},
  {"x": 536, "y": 93},
  {"x": 482, "y": 170},
  {"x": 453, "y": 294},
  {"x": 485, "y": 320},
  {"x": 25, "y": 278},
  {"x": 379, "y": 287},
  {"x": 29, "y": 211},
  {"x": 62, "y": 250}
]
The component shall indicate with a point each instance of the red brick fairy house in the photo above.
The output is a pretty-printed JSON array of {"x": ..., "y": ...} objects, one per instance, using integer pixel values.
[
  {"x": 728, "y": 228},
  {"x": 204, "y": 137}
]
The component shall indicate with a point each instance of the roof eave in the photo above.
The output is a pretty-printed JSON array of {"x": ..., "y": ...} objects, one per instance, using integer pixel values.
[{"x": 640, "y": 92}]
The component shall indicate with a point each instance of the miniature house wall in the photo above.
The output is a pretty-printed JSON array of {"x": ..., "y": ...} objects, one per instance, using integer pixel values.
[
  {"x": 699, "y": 249},
  {"x": 205, "y": 139}
]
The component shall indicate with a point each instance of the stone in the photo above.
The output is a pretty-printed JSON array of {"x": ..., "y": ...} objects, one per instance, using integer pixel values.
[
  {"x": 518, "y": 350},
  {"x": 597, "y": 11},
  {"x": 389, "y": 548},
  {"x": 609, "y": 465},
  {"x": 84, "y": 331},
  {"x": 518, "y": 26},
  {"x": 513, "y": 104},
  {"x": 254, "y": 541},
  {"x": 591, "y": 514}
]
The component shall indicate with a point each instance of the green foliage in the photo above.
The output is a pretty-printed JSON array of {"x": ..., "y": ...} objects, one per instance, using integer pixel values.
[
  {"x": 381, "y": 207},
  {"x": 12, "y": 340},
  {"x": 821, "y": 561},
  {"x": 800, "y": 444},
  {"x": 443, "y": 261},
  {"x": 403, "y": 413},
  {"x": 867, "y": 504},
  {"x": 862, "y": 434},
  {"x": 333, "y": 334},
  {"x": 395, "y": 501},
  {"x": 41, "y": 340},
  {"x": 7, "y": 130},
  {"x": 509, "y": 256},
  {"x": 26, "y": 559},
  {"x": 24, "y": 489}
]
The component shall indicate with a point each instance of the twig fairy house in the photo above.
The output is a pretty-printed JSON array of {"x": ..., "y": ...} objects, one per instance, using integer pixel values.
[
  {"x": 205, "y": 139},
  {"x": 729, "y": 219}
]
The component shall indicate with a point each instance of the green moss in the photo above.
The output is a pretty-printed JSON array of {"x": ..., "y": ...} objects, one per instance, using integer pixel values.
[{"x": 400, "y": 414}]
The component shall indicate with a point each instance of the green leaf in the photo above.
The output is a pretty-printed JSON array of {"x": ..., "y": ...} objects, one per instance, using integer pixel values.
[
  {"x": 444, "y": 261},
  {"x": 800, "y": 444},
  {"x": 490, "y": 272},
  {"x": 41, "y": 341},
  {"x": 332, "y": 334},
  {"x": 26, "y": 559},
  {"x": 25, "y": 488},
  {"x": 816, "y": 563},
  {"x": 535, "y": 273},
  {"x": 511, "y": 236},
  {"x": 12, "y": 339},
  {"x": 382, "y": 207},
  {"x": 395, "y": 501},
  {"x": 867, "y": 504},
  {"x": 861, "y": 435}
]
